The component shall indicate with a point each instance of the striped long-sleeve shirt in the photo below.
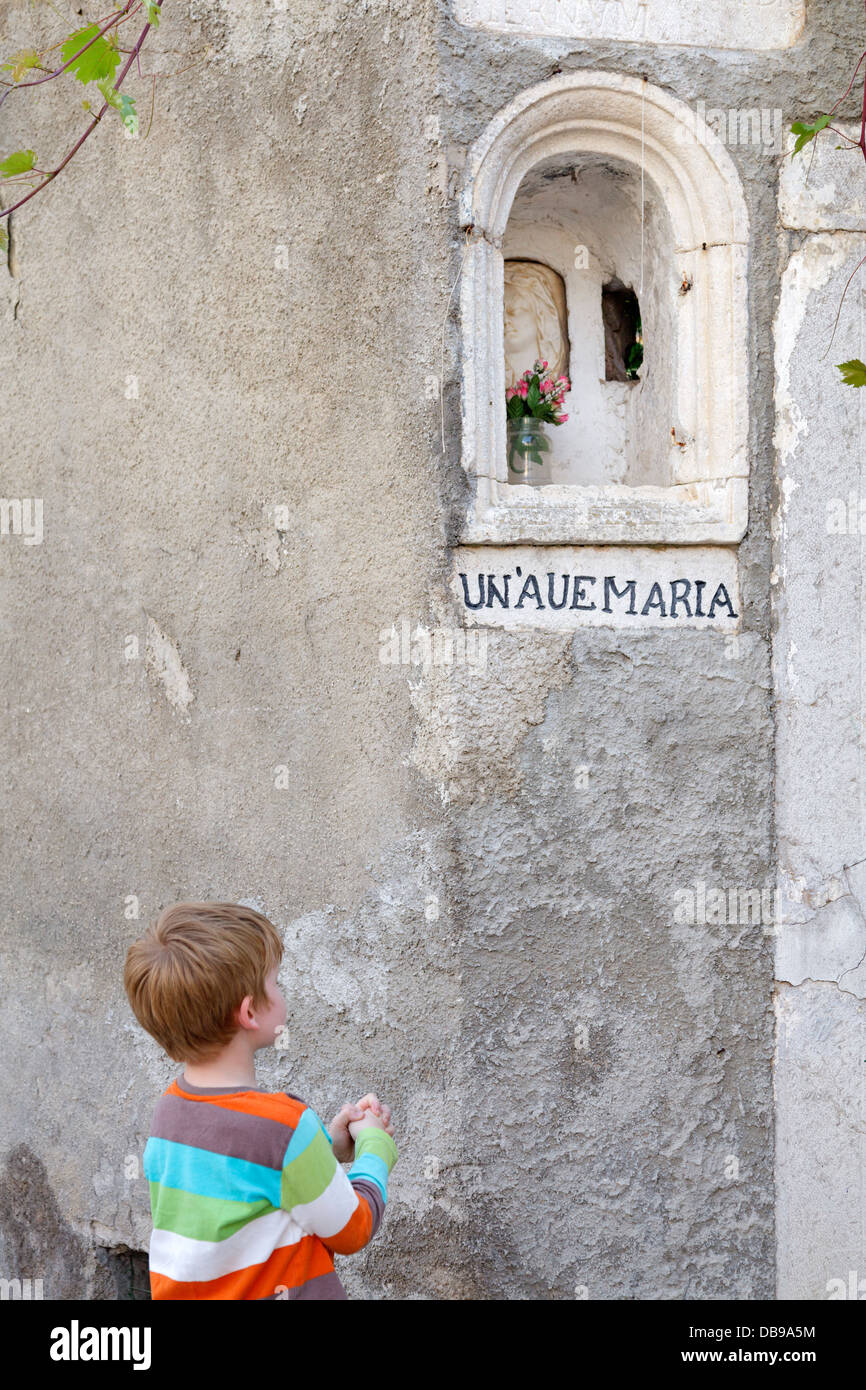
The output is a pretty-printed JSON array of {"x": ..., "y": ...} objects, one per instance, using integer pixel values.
[{"x": 248, "y": 1200}]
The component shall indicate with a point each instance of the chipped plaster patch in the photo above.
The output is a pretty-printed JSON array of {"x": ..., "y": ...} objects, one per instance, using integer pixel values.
[
  {"x": 325, "y": 952},
  {"x": 473, "y": 719},
  {"x": 829, "y": 948},
  {"x": 829, "y": 945},
  {"x": 806, "y": 274},
  {"x": 264, "y": 539},
  {"x": 163, "y": 663}
]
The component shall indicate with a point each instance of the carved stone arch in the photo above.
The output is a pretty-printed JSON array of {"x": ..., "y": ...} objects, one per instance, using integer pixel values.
[{"x": 636, "y": 124}]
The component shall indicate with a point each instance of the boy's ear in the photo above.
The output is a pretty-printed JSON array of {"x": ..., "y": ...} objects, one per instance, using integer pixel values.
[{"x": 245, "y": 1014}]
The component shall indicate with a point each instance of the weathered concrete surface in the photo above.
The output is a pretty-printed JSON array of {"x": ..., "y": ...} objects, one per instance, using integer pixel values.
[
  {"x": 474, "y": 869},
  {"x": 824, "y": 189},
  {"x": 820, "y": 1139},
  {"x": 259, "y": 386},
  {"x": 818, "y": 661},
  {"x": 609, "y": 1052}
]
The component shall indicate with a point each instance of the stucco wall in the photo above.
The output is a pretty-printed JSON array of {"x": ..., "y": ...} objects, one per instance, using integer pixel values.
[
  {"x": 820, "y": 522},
  {"x": 475, "y": 867}
]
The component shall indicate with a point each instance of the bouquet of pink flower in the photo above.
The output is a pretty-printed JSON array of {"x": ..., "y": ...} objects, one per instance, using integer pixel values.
[{"x": 538, "y": 395}]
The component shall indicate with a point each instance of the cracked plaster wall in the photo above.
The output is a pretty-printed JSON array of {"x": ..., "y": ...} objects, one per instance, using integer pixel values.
[
  {"x": 818, "y": 660},
  {"x": 475, "y": 868}
]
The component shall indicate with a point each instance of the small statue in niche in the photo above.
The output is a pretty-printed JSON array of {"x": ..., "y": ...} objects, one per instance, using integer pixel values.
[{"x": 536, "y": 321}]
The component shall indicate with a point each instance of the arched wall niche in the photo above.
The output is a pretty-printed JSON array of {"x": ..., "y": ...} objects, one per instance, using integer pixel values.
[
  {"x": 647, "y": 485},
  {"x": 582, "y": 218}
]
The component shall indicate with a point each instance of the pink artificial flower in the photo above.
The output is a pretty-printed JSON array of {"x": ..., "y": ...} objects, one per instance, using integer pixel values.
[
  {"x": 523, "y": 389},
  {"x": 562, "y": 419},
  {"x": 547, "y": 386},
  {"x": 544, "y": 366}
]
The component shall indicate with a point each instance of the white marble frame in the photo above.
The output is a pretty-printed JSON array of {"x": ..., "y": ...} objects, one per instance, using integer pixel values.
[{"x": 608, "y": 113}]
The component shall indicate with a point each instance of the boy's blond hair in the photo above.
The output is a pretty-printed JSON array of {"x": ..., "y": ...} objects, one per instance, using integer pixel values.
[{"x": 193, "y": 968}]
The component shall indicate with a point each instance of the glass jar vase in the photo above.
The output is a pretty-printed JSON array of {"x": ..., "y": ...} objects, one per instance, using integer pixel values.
[{"x": 528, "y": 443}]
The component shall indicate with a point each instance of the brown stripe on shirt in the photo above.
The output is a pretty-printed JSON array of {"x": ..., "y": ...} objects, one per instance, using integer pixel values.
[
  {"x": 324, "y": 1286},
  {"x": 367, "y": 1188},
  {"x": 216, "y": 1128}
]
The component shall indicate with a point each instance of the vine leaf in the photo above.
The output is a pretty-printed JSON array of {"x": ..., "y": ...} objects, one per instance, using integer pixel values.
[
  {"x": 97, "y": 63},
  {"x": 853, "y": 372},
  {"x": 153, "y": 13},
  {"x": 805, "y": 133},
  {"x": 18, "y": 163},
  {"x": 4, "y": 239},
  {"x": 123, "y": 103},
  {"x": 21, "y": 62}
]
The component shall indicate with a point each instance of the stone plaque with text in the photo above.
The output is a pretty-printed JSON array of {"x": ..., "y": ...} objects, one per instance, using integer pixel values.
[
  {"x": 565, "y": 587},
  {"x": 748, "y": 24}
]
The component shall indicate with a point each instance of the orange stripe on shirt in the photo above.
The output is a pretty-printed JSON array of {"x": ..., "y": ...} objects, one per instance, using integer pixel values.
[
  {"x": 273, "y": 1106},
  {"x": 355, "y": 1233},
  {"x": 288, "y": 1269}
]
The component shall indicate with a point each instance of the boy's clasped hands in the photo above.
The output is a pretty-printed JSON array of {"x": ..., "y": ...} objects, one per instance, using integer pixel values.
[{"x": 351, "y": 1119}]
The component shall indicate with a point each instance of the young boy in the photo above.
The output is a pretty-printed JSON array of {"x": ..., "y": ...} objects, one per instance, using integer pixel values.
[{"x": 247, "y": 1194}]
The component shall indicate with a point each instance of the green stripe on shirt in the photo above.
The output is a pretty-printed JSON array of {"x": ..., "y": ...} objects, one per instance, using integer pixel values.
[
  {"x": 306, "y": 1177},
  {"x": 201, "y": 1218},
  {"x": 378, "y": 1142}
]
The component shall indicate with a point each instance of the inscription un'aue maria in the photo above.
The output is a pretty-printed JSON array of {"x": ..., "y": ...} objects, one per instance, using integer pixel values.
[{"x": 666, "y": 599}]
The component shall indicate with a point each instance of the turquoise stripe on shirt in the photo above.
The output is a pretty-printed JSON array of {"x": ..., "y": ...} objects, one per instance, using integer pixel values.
[
  {"x": 308, "y": 1127},
  {"x": 208, "y": 1174},
  {"x": 374, "y": 1168}
]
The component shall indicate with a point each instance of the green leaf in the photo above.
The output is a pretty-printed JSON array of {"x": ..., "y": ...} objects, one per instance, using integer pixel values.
[
  {"x": 4, "y": 239},
  {"x": 805, "y": 133},
  {"x": 21, "y": 62},
  {"x": 153, "y": 13},
  {"x": 128, "y": 113},
  {"x": 98, "y": 63},
  {"x": 122, "y": 103},
  {"x": 18, "y": 163},
  {"x": 853, "y": 372}
]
